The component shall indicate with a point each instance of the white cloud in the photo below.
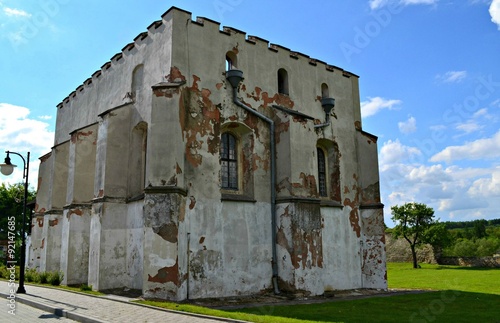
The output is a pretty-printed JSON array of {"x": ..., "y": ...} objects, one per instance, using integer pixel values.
[
  {"x": 395, "y": 152},
  {"x": 377, "y": 4},
  {"x": 452, "y": 76},
  {"x": 469, "y": 127},
  {"x": 453, "y": 192},
  {"x": 46, "y": 117},
  {"x": 486, "y": 148},
  {"x": 487, "y": 186},
  {"x": 16, "y": 12},
  {"x": 374, "y": 105},
  {"x": 408, "y": 126},
  {"x": 495, "y": 12},
  {"x": 410, "y": 2},
  {"x": 22, "y": 134}
]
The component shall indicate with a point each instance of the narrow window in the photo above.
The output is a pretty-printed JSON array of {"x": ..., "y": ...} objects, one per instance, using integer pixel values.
[
  {"x": 229, "y": 162},
  {"x": 230, "y": 61},
  {"x": 283, "y": 81},
  {"x": 137, "y": 83},
  {"x": 321, "y": 172},
  {"x": 324, "y": 91}
]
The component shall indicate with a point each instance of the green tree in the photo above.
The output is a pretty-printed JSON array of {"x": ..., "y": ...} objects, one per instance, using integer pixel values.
[
  {"x": 412, "y": 221},
  {"x": 11, "y": 208},
  {"x": 479, "y": 229}
]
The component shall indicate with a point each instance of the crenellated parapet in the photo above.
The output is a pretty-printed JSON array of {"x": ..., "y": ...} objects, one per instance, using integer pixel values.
[{"x": 209, "y": 24}]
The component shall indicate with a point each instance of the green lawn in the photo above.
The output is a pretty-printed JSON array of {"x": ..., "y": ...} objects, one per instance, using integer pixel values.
[
  {"x": 458, "y": 295},
  {"x": 467, "y": 279}
]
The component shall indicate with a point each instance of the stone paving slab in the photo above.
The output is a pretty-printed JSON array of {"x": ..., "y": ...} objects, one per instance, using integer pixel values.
[
  {"x": 25, "y": 313},
  {"x": 98, "y": 309}
]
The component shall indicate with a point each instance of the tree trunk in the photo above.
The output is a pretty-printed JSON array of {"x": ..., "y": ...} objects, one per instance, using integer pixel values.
[{"x": 414, "y": 255}]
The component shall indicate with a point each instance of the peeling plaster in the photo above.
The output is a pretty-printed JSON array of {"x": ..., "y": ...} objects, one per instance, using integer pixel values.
[{"x": 166, "y": 275}]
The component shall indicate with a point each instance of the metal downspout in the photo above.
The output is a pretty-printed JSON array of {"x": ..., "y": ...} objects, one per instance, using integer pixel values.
[{"x": 273, "y": 184}]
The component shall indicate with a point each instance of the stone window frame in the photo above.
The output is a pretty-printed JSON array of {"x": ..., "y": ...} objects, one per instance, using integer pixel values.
[
  {"x": 229, "y": 158},
  {"x": 322, "y": 172},
  {"x": 283, "y": 82},
  {"x": 244, "y": 138},
  {"x": 332, "y": 170}
]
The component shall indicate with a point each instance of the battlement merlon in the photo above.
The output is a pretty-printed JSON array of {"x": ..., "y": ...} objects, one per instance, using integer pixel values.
[{"x": 206, "y": 23}]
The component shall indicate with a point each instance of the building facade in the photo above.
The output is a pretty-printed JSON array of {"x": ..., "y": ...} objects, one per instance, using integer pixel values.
[{"x": 202, "y": 162}]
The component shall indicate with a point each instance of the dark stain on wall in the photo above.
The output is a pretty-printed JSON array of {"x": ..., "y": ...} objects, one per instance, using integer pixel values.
[
  {"x": 167, "y": 231},
  {"x": 305, "y": 245},
  {"x": 167, "y": 275}
]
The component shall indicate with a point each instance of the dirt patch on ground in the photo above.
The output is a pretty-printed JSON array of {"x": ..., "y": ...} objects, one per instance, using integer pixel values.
[{"x": 270, "y": 299}]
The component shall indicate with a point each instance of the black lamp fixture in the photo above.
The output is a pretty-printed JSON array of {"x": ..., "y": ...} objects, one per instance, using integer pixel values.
[{"x": 7, "y": 168}]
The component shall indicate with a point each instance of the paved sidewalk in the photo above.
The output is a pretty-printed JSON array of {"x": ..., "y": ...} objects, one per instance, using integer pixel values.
[{"x": 96, "y": 309}]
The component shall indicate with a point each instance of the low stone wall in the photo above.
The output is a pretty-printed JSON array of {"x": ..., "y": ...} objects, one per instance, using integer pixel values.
[
  {"x": 398, "y": 250},
  {"x": 493, "y": 262}
]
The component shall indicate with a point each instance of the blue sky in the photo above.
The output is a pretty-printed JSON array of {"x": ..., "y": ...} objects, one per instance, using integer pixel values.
[{"x": 429, "y": 79}]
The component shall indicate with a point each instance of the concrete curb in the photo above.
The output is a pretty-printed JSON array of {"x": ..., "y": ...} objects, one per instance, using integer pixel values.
[{"x": 56, "y": 311}]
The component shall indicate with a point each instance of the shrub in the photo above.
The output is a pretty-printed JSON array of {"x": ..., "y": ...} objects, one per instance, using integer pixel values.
[
  {"x": 43, "y": 277},
  {"x": 55, "y": 278},
  {"x": 31, "y": 275},
  {"x": 85, "y": 287},
  {"x": 4, "y": 273}
]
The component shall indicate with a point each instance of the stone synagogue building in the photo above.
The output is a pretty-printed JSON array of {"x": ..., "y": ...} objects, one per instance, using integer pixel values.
[{"x": 202, "y": 162}]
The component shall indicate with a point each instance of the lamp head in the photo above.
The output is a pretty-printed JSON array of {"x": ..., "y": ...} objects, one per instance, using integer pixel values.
[{"x": 7, "y": 168}]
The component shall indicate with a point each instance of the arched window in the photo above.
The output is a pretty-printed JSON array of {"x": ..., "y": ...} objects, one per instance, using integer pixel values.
[
  {"x": 322, "y": 172},
  {"x": 329, "y": 169},
  {"x": 137, "y": 160},
  {"x": 137, "y": 83},
  {"x": 231, "y": 61},
  {"x": 229, "y": 161},
  {"x": 325, "y": 93},
  {"x": 283, "y": 81}
]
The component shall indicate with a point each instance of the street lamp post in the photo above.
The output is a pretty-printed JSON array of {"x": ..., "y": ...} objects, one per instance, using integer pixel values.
[{"x": 7, "y": 168}]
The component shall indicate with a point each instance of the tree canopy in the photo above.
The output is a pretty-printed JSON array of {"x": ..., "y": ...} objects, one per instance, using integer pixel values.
[
  {"x": 11, "y": 206},
  {"x": 415, "y": 223}
]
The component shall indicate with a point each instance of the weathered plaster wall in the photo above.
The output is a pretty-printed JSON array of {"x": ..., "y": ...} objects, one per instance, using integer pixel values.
[
  {"x": 163, "y": 211},
  {"x": 75, "y": 244},
  {"x": 111, "y": 86},
  {"x": 59, "y": 186},
  {"x": 51, "y": 241},
  {"x": 108, "y": 246},
  {"x": 229, "y": 251},
  {"x": 342, "y": 251},
  {"x": 37, "y": 248}
]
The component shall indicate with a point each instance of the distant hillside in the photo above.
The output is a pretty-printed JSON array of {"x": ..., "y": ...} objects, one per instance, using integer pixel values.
[{"x": 471, "y": 224}]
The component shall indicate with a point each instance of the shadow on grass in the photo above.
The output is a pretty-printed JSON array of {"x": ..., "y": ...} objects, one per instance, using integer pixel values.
[
  {"x": 441, "y": 267},
  {"x": 441, "y": 306}
]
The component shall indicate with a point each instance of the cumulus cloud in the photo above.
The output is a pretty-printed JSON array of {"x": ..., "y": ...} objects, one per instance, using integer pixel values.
[
  {"x": 485, "y": 148},
  {"x": 11, "y": 12},
  {"x": 495, "y": 12},
  {"x": 453, "y": 192},
  {"x": 20, "y": 133},
  {"x": 408, "y": 126},
  {"x": 452, "y": 76},
  {"x": 374, "y": 105},
  {"x": 395, "y": 152}
]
